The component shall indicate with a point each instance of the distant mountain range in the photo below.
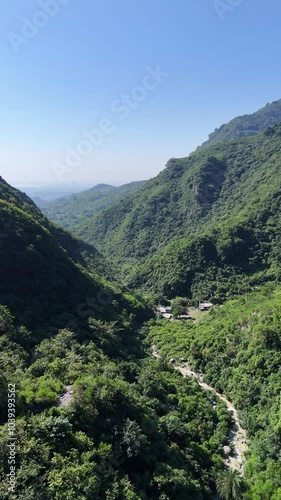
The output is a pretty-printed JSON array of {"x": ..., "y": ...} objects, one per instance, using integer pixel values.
[{"x": 70, "y": 210}]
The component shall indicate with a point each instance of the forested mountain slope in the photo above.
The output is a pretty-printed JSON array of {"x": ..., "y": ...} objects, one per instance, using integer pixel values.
[
  {"x": 70, "y": 210},
  {"x": 210, "y": 217},
  {"x": 46, "y": 274},
  {"x": 131, "y": 427},
  {"x": 247, "y": 125},
  {"x": 238, "y": 348}
]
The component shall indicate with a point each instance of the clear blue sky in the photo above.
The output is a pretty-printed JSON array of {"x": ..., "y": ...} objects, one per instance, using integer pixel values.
[{"x": 65, "y": 79}]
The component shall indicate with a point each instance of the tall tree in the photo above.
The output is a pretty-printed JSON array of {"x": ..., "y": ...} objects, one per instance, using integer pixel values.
[{"x": 229, "y": 485}]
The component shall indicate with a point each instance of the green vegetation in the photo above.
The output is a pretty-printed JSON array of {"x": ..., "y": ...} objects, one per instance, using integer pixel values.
[
  {"x": 50, "y": 278},
  {"x": 228, "y": 485},
  {"x": 238, "y": 348},
  {"x": 208, "y": 226},
  {"x": 247, "y": 125},
  {"x": 127, "y": 426},
  {"x": 68, "y": 211},
  {"x": 179, "y": 306},
  {"x": 134, "y": 428},
  {"x": 97, "y": 416}
]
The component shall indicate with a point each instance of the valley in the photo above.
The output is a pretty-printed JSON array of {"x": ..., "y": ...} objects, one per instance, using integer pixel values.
[
  {"x": 140, "y": 250},
  {"x": 207, "y": 226},
  {"x": 97, "y": 415}
]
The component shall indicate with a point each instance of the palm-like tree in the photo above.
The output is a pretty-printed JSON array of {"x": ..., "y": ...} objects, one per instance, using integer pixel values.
[{"x": 229, "y": 485}]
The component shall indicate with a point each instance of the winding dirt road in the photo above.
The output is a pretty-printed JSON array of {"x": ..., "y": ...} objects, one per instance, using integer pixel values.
[{"x": 237, "y": 435}]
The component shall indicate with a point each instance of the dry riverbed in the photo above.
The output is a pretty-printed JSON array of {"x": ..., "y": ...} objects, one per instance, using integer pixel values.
[{"x": 237, "y": 435}]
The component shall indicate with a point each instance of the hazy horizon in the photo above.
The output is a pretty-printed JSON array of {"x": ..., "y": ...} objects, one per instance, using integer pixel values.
[{"x": 107, "y": 93}]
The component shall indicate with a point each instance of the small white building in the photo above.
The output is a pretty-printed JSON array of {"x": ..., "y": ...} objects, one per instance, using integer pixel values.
[
  {"x": 164, "y": 310},
  {"x": 205, "y": 306}
]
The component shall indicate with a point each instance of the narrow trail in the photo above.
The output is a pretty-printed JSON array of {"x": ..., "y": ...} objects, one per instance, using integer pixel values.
[
  {"x": 237, "y": 436},
  {"x": 66, "y": 398}
]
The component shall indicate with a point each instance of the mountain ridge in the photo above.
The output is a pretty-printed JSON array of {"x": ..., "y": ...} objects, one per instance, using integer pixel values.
[
  {"x": 229, "y": 180},
  {"x": 69, "y": 210},
  {"x": 246, "y": 125},
  {"x": 45, "y": 272}
]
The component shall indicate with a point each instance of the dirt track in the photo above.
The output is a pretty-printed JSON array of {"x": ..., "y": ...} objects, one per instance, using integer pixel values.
[
  {"x": 66, "y": 398},
  {"x": 237, "y": 435}
]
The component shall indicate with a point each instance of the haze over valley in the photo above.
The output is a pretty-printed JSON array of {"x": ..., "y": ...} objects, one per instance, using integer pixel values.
[{"x": 140, "y": 251}]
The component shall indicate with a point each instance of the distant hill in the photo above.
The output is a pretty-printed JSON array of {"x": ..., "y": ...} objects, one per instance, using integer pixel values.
[
  {"x": 45, "y": 194},
  {"x": 72, "y": 209},
  {"x": 247, "y": 125},
  {"x": 40, "y": 202}
]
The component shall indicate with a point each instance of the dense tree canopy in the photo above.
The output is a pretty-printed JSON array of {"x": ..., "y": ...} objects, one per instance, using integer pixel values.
[
  {"x": 97, "y": 416},
  {"x": 133, "y": 428},
  {"x": 208, "y": 225},
  {"x": 238, "y": 348}
]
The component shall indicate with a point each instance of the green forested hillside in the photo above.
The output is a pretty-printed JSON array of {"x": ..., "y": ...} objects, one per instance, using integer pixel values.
[
  {"x": 45, "y": 273},
  {"x": 201, "y": 223},
  {"x": 96, "y": 416},
  {"x": 247, "y": 125},
  {"x": 133, "y": 428},
  {"x": 70, "y": 210},
  {"x": 238, "y": 348}
]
